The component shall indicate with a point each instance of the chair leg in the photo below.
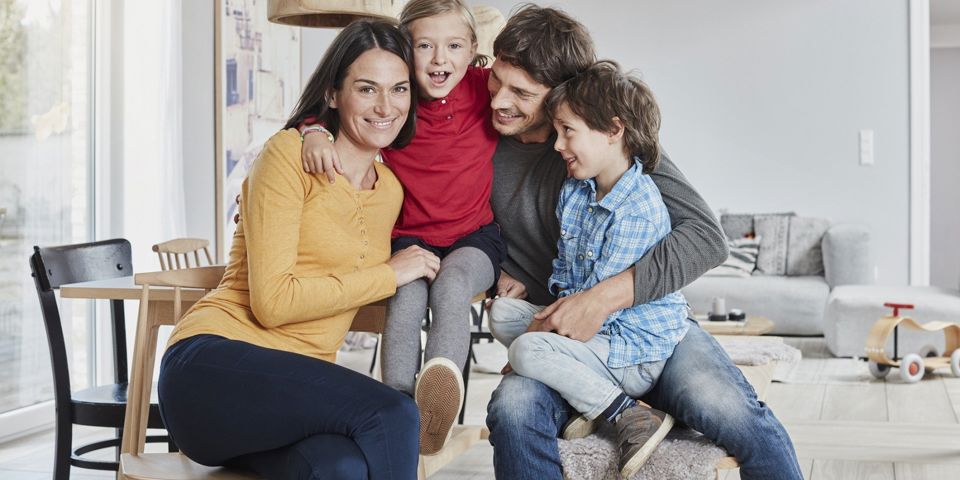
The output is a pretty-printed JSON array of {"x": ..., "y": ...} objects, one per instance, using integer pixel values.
[
  {"x": 119, "y": 433},
  {"x": 376, "y": 349},
  {"x": 61, "y": 453},
  {"x": 466, "y": 382}
]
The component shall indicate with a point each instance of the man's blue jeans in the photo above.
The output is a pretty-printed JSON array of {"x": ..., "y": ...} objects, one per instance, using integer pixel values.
[{"x": 699, "y": 386}]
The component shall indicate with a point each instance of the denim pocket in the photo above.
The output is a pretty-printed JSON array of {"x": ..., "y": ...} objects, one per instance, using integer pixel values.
[{"x": 651, "y": 371}]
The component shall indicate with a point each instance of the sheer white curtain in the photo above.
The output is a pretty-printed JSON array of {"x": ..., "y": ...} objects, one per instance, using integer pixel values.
[{"x": 153, "y": 191}]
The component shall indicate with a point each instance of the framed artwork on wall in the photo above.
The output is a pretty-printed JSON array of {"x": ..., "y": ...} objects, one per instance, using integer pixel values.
[{"x": 257, "y": 87}]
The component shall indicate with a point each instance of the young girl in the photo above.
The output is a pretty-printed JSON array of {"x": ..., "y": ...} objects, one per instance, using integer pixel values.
[
  {"x": 610, "y": 214},
  {"x": 447, "y": 174}
]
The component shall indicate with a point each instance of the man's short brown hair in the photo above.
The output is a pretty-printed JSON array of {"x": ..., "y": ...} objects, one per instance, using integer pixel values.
[
  {"x": 547, "y": 43},
  {"x": 604, "y": 92}
]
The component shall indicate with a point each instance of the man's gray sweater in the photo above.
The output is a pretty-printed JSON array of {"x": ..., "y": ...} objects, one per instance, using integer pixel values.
[{"x": 526, "y": 187}]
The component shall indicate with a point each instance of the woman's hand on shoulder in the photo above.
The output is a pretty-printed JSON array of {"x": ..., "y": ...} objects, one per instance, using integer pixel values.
[
  {"x": 412, "y": 263},
  {"x": 319, "y": 156}
]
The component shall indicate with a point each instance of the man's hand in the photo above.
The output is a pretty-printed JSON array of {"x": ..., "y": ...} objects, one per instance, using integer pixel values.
[
  {"x": 578, "y": 316},
  {"x": 506, "y": 369},
  {"x": 510, "y": 287}
]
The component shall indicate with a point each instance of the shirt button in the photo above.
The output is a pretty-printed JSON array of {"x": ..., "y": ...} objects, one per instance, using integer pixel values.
[
  {"x": 449, "y": 117},
  {"x": 590, "y": 209},
  {"x": 589, "y": 253},
  {"x": 362, "y": 257},
  {"x": 363, "y": 232},
  {"x": 563, "y": 232},
  {"x": 580, "y": 257},
  {"x": 444, "y": 101}
]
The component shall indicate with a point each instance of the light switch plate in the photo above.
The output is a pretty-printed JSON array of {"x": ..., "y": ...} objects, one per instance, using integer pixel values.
[{"x": 866, "y": 147}]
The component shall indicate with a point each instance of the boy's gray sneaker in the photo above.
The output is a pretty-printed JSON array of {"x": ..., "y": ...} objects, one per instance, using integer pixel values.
[
  {"x": 579, "y": 427},
  {"x": 639, "y": 430}
]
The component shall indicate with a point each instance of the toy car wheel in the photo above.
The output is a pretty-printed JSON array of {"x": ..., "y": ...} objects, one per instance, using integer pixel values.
[
  {"x": 911, "y": 368},
  {"x": 955, "y": 362},
  {"x": 928, "y": 351},
  {"x": 878, "y": 370}
]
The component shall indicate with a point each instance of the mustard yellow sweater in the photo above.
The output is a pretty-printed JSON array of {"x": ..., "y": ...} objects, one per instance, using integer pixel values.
[{"x": 306, "y": 255}]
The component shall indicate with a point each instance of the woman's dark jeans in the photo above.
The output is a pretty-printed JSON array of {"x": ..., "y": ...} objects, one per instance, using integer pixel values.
[{"x": 284, "y": 415}]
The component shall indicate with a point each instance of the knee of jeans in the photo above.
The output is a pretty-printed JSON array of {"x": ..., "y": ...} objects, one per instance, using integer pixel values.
[
  {"x": 399, "y": 415},
  {"x": 498, "y": 319},
  {"x": 525, "y": 351},
  {"x": 728, "y": 407},
  {"x": 516, "y": 403},
  {"x": 499, "y": 311},
  {"x": 407, "y": 413}
]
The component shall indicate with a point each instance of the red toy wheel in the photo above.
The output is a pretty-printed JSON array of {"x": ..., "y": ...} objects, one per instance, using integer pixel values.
[{"x": 911, "y": 368}]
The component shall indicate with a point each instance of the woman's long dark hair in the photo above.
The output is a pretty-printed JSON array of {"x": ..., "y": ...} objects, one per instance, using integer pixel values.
[{"x": 353, "y": 41}]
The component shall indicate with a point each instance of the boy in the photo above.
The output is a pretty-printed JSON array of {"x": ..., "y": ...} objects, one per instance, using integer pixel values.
[{"x": 610, "y": 214}]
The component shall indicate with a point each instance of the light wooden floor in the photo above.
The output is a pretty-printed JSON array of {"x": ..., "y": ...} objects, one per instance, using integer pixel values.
[{"x": 844, "y": 424}]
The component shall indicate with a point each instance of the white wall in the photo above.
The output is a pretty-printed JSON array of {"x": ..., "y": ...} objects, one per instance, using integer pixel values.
[
  {"x": 944, "y": 167},
  {"x": 199, "y": 148},
  {"x": 199, "y": 156},
  {"x": 762, "y": 102},
  {"x": 315, "y": 42}
]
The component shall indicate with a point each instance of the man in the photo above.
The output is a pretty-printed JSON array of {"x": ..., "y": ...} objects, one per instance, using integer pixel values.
[{"x": 538, "y": 49}]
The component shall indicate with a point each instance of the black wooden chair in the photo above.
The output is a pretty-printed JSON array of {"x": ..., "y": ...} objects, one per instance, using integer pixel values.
[{"x": 99, "y": 406}]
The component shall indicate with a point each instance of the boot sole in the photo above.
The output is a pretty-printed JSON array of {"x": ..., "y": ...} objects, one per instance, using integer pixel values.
[
  {"x": 579, "y": 427},
  {"x": 439, "y": 396},
  {"x": 633, "y": 465}
]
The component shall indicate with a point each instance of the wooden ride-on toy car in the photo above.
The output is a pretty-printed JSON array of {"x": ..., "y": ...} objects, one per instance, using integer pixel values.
[{"x": 912, "y": 366}]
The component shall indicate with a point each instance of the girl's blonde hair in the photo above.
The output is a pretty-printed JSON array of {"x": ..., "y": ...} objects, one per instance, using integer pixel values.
[{"x": 417, "y": 9}]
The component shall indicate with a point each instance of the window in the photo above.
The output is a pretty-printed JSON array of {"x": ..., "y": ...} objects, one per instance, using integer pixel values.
[{"x": 45, "y": 182}]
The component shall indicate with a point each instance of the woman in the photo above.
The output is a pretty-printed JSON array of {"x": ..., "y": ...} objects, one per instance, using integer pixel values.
[{"x": 249, "y": 378}]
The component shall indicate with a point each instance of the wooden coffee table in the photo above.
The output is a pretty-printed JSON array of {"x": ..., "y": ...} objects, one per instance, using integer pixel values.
[{"x": 751, "y": 326}]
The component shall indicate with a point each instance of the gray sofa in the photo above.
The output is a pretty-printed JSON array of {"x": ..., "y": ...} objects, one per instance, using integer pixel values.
[{"x": 795, "y": 304}]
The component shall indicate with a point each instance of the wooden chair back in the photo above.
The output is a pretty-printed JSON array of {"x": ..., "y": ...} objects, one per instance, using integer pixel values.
[{"x": 172, "y": 251}]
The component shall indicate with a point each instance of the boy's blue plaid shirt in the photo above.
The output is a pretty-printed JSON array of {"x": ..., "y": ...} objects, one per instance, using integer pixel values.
[{"x": 601, "y": 239}]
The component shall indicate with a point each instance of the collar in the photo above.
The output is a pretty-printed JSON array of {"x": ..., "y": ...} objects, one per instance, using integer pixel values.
[
  {"x": 454, "y": 96},
  {"x": 625, "y": 186}
]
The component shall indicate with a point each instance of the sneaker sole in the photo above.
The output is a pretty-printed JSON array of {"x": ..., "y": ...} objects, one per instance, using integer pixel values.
[
  {"x": 579, "y": 427},
  {"x": 439, "y": 396},
  {"x": 634, "y": 464}
]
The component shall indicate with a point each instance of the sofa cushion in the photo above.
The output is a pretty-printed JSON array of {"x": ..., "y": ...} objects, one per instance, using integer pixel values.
[
  {"x": 739, "y": 225},
  {"x": 742, "y": 258},
  {"x": 804, "y": 254},
  {"x": 774, "y": 230},
  {"x": 794, "y": 304}
]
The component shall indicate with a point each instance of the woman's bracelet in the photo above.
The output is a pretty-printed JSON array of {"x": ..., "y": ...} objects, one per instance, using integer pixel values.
[{"x": 316, "y": 128}]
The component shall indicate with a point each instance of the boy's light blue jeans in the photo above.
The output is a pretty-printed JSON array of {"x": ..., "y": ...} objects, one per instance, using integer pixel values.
[
  {"x": 699, "y": 386},
  {"x": 577, "y": 370}
]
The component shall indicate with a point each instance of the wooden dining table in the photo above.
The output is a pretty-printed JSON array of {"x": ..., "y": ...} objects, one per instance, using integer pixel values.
[
  {"x": 370, "y": 318},
  {"x": 124, "y": 288}
]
